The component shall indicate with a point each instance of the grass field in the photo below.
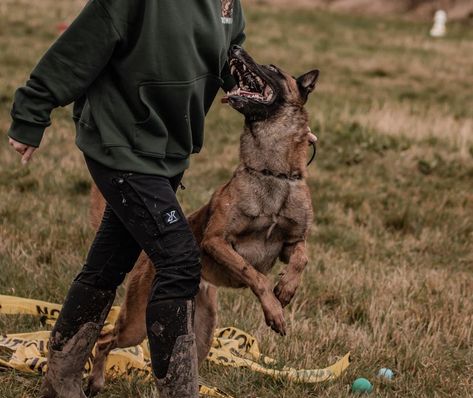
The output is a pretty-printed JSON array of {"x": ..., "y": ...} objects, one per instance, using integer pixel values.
[{"x": 391, "y": 271}]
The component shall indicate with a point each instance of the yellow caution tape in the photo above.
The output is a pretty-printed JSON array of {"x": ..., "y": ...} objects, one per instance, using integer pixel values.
[
  {"x": 231, "y": 347},
  {"x": 48, "y": 312}
]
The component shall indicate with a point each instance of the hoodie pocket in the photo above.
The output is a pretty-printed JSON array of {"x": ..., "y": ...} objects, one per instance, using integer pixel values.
[{"x": 176, "y": 112}]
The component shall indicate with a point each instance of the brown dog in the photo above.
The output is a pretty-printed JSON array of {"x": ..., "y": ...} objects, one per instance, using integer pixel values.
[{"x": 263, "y": 213}]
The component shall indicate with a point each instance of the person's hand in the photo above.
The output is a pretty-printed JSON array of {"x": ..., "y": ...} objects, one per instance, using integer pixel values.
[{"x": 26, "y": 151}]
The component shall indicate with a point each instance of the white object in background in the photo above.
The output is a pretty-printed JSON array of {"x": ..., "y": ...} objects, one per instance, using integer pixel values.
[{"x": 440, "y": 21}]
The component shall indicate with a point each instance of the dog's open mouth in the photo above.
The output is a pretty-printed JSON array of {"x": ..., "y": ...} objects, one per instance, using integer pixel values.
[{"x": 250, "y": 84}]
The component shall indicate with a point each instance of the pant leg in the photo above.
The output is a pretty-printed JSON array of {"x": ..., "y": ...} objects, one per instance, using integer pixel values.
[
  {"x": 127, "y": 227},
  {"x": 112, "y": 255},
  {"x": 148, "y": 207},
  {"x": 113, "y": 252},
  {"x": 88, "y": 302}
]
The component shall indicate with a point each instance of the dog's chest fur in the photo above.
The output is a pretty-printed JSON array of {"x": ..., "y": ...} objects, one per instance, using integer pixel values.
[{"x": 278, "y": 214}]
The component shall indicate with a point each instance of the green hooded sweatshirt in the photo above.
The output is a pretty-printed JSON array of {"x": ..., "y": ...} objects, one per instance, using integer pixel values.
[{"x": 142, "y": 75}]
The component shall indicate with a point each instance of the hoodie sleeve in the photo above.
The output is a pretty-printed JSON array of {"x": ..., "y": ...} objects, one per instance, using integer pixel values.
[
  {"x": 64, "y": 73},
  {"x": 238, "y": 39}
]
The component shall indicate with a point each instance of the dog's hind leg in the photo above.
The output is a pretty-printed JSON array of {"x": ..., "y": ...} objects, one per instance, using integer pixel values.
[
  {"x": 130, "y": 328},
  {"x": 205, "y": 318},
  {"x": 106, "y": 343}
]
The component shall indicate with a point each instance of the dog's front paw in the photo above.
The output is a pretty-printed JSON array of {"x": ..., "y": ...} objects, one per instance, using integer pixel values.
[
  {"x": 286, "y": 289},
  {"x": 274, "y": 314}
]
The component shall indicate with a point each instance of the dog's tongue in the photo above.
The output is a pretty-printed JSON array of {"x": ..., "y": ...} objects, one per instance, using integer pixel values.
[{"x": 224, "y": 99}]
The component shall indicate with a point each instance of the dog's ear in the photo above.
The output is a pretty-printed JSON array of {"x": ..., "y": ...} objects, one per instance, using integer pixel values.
[{"x": 306, "y": 83}]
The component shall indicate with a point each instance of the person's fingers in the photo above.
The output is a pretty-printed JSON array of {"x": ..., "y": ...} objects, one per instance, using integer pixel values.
[
  {"x": 18, "y": 146},
  {"x": 27, "y": 155}
]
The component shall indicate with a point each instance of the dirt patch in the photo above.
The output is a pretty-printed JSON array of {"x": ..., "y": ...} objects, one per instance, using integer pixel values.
[{"x": 456, "y": 9}]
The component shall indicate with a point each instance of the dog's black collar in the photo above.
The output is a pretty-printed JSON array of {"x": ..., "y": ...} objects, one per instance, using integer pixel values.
[{"x": 269, "y": 173}]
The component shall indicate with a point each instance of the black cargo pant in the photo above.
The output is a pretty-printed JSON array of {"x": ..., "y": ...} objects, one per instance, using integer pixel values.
[{"x": 142, "y": 212}]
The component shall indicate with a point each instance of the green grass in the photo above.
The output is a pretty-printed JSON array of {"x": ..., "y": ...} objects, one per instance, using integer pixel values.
[{"x": 391, "y": 271}]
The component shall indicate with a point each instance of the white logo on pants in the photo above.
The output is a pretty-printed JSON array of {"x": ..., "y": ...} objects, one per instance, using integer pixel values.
[{"x": 172, "y": 217}]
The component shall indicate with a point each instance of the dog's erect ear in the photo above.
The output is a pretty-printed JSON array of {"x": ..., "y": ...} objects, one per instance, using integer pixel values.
[{"x": 306, "y": 83}]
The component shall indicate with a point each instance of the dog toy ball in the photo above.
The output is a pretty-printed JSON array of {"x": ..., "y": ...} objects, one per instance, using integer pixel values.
[
  {"x": 361, "y": 385},
  {"x": 386, "y": 373}
]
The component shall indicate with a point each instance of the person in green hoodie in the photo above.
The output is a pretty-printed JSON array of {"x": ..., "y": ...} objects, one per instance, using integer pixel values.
[{"x": 142, "y": 76}]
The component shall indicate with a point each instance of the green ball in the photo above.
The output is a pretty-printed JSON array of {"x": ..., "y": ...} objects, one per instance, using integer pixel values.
[{"x": 361, "y": 385}]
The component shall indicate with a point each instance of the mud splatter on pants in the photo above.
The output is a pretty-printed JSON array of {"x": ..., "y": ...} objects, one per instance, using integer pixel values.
[{"x": 142, "y": 213}]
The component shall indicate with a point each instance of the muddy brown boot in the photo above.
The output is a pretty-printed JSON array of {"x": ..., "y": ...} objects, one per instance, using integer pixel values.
[
  {"x": 73, "y": 338},
  {"x": 173, "y": 348},
  {"x": 63, "y": 378},
  {"x": 181, "y": 380}
]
